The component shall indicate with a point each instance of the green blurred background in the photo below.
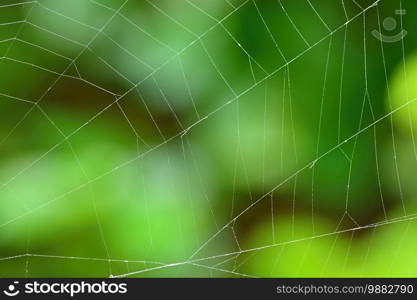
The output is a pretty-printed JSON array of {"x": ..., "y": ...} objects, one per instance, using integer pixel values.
[{"x": 220, "y": 138}]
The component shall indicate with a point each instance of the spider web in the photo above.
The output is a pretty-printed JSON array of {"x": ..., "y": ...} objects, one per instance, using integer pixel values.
[{"x": 185, "y": 162}]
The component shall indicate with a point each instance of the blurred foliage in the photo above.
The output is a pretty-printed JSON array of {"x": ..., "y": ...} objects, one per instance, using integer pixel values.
[{"x": 232, "y": 137}]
